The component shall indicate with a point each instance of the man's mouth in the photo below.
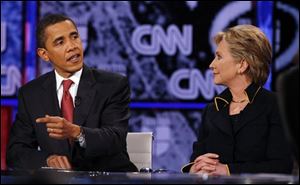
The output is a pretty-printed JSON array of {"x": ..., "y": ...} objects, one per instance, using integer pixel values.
[{"x": 73, "y": 58}]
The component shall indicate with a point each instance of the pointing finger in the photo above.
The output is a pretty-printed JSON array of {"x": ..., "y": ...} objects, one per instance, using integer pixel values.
[{"x": 47, "y": 119}]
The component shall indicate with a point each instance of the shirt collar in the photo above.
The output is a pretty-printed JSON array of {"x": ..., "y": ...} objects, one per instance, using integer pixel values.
[
  {"x": 225, "y": 97},
  {"x": 75, "y": 78}
]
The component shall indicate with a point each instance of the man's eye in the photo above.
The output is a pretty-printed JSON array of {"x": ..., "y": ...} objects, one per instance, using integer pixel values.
[{"x": 59, "y": 42}]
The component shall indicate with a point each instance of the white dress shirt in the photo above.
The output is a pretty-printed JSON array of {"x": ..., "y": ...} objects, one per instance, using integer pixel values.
[{"x": 73, "y": 89}]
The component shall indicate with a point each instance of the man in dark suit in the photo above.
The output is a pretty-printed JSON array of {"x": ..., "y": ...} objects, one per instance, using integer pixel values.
[{"x": 73, "y": 117}]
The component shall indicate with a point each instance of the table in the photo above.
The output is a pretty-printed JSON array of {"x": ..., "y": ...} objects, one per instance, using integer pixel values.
[{"x": 96, "y": 177}]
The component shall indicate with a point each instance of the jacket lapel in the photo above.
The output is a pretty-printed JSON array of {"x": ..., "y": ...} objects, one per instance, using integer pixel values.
[
  {"x": 222, "y": 103},
  {"x": 50, "y": 102},
  {"x": 250, "y": 113},
  {"x": 221, "y": 121},
  {"x": 85, "y": 96},
  {"x": 49, "y": 98}
]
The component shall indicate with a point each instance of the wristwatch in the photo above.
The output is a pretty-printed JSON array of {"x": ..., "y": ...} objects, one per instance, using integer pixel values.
[{"x": 80, "y": 138}]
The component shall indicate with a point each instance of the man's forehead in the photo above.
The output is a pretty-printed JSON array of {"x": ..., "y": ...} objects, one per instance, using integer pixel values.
[
  {"x": 60, "y": 29},
  {"x": 61, "y": 26}
]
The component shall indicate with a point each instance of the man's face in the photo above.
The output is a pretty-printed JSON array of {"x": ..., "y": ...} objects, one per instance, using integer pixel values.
[{"x": 63, "y": 48}]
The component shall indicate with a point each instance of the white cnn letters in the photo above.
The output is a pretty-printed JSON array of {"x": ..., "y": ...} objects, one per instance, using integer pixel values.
[{"x": 149, "y": 40}]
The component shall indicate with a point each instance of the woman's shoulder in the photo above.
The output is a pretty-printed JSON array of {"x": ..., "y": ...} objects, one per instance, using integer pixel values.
[
  {"x": 209, "y": 108},
  {"x": 267, "y": 95}
]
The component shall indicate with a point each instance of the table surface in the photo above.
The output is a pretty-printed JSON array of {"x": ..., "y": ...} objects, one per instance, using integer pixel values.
[{"x": 96, "y": 177}]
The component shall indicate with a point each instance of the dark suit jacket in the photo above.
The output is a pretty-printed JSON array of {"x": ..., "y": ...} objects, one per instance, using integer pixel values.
[
  {"x": 288, "y": 91},
  {"x": 258, "y": 144},
  {"x": 101, "y": 108}
]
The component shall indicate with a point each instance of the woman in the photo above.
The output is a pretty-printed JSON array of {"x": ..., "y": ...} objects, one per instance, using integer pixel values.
[{"x": 241, "y": 130}]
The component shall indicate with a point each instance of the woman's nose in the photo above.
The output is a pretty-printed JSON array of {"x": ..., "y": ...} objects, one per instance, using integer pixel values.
[{"x": 211, "y": 65}]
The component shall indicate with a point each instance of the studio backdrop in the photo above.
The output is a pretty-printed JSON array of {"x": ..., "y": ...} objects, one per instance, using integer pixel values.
[{"x": 164, "y": 48}]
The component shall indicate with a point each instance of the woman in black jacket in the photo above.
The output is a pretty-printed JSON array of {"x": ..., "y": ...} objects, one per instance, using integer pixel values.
[{"x": 241, "y": 130}]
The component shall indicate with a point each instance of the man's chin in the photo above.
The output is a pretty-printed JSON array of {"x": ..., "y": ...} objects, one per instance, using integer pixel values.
[{"x": 75, "y": 68}]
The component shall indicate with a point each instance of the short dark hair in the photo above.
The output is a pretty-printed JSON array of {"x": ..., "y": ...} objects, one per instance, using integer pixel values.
[{"x": 46, "y": 21}]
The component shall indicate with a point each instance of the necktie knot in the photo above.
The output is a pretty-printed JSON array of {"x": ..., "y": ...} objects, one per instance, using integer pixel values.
[{"x": 67, "y": 84}]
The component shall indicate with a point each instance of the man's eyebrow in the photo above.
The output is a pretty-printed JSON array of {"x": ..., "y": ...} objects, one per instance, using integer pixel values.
[
  {"x": 58, "y": 38},
  {"x": 74, "y": 33}
]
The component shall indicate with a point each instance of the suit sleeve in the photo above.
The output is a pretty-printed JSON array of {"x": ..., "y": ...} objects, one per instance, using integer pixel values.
[
  {"x": 22, "y": 151},
  {"x": 199, "y": 145},
  {"x": 114, "y": 124},
  {"x": 278, "y": 156}
]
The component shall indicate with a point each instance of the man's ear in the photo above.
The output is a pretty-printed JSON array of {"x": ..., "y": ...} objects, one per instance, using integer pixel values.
[{"x": 42, "y": 52}]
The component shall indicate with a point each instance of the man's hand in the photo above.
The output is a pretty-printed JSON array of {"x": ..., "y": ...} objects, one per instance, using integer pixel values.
[
  {"x": 61, "y": 162},
  {"x": 60, "y": 128}
]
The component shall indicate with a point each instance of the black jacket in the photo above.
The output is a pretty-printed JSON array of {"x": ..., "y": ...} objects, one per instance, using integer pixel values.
[
  {"x": 101, "y": 109},
  {"x": 257, "y": 145}
]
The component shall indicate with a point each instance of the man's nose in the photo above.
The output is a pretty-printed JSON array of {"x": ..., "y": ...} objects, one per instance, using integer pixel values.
[{"x": 71, "y": 46}]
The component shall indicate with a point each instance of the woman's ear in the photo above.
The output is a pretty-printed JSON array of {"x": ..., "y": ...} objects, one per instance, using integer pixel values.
[
  {"x": 243, "y": 67},
  {"x": 42, "y": 52}
]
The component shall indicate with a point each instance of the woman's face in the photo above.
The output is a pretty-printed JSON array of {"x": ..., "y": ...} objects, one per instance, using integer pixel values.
[{"x": 224, "y": 66}]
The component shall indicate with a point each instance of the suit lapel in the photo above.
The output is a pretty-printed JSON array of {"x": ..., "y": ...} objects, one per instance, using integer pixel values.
[
  {"x": 246, "y": 116},
  {"x": 85, "y": 96},
  {"x": 250, "y": 113},
  {"x": 221, "y": 121},
  {"x": 49, "y": 97},
  {"x": 50, "y": 102}
]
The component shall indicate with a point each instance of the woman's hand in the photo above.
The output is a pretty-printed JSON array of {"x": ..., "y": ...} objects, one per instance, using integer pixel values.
[
  {"x": 205, "y": 163},
  {"x": 209, "y": 164}
]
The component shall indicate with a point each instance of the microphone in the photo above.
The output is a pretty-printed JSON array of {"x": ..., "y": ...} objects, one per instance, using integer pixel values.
[{"x": 77, "y": 101}]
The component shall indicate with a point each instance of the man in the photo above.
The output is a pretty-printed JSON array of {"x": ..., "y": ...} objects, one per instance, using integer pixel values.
[{"x": 73, "y": 117}]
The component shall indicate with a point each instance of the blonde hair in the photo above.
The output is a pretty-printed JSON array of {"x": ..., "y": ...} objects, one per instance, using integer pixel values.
[{"x": 250, "y": 43}]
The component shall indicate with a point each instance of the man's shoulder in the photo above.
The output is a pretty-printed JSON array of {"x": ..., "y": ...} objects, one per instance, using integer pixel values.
[
  {"x": 36, "y": 83},
  {"x": 103, "y": 76}
]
